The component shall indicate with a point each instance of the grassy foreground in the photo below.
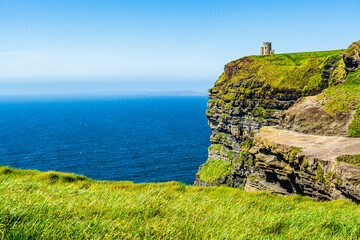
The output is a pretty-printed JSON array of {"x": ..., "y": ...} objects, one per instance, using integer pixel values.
[{"x": 35, "y": 205}]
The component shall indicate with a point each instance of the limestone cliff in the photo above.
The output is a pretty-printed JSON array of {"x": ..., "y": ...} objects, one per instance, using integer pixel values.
[{"x": 313, "y": 93}]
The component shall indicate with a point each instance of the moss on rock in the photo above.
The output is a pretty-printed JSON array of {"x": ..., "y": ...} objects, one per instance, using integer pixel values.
[
  {"x": 354, "y": 127},
  {"x": 215, "y": 147},
  {"x": 350, "y": 159},
  {"x": 296, "y": 71},
  {"x": 343, "y": 97}
]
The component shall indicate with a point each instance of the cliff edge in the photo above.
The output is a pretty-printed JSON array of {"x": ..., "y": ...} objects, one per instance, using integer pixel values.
[{"x": 312, "y": 100}]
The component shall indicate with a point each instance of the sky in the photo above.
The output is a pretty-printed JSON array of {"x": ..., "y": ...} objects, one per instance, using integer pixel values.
[{"x": 128, "y": 43}]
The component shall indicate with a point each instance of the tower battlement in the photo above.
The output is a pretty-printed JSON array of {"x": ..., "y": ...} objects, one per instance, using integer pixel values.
[{"x": 266, "y": 49}]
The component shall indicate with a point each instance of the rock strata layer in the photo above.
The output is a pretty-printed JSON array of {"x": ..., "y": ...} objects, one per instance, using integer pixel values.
[
  {"x": 286, "y": 162},
  {"x": 308, "y": 116}
]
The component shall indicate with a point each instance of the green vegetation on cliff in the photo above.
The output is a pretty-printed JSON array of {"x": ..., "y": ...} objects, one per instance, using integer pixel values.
[
  {"x": 298, "y": 71},
  {"x": 345, "y": 97},
  {"x": 354, "y": 127},
  {"x": 214, "y": 169},
  {"x": 266, "y": 82},
  {"x": 295, "y": 71},
  {"x": 350, "y": 159},
  {"x": 32, "y": 207},
  {"x": 355, "y": 47}
]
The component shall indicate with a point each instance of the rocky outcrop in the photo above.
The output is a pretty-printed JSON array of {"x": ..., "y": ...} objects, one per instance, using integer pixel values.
[
  {"x": 352, "y": 57},
  {"x": 308, "y": 116},
  {"x": 278, "y": 90},
  {"x": 311, "y": 168},
  {"x": 331, "y": 112}
]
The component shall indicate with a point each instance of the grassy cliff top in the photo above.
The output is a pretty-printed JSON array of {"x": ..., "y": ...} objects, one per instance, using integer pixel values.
[
  {"x": 294, "y": 71},
  {"x": 307, "y": 72},
  {"x": 52, "y": 205}
]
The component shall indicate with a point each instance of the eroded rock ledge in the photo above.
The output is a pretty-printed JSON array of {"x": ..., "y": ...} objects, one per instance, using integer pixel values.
[{"x": 286, "y": 162}]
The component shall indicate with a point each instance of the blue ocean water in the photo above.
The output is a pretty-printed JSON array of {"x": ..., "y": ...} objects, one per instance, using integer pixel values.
[{"x": 141, "y": 139}]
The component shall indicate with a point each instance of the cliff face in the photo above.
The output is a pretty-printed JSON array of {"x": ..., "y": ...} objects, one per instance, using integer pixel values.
[
  {"x": 315, "y": 167},
  {"x": 258, "y": 91}
]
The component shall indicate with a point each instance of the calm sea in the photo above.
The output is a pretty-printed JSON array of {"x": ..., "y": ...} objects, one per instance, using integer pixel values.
[{"x": 141, "y": 139}]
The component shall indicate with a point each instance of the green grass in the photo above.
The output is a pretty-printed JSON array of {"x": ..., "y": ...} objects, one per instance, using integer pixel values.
[
  {"x": 354, "y": 127},
  {"x": 53, "y": 177},
  {"x": 31, "y": 208},
  {"x": 351, "y": 50},
  {"x": 295, "y": 71},
  {"x": 215, "y": 147},
  {"x": 343, "y": 97},
  {"x": 214, "y": 169},
  {"x": 230, "y": 154},
  {"x": 350, "y": 159}
]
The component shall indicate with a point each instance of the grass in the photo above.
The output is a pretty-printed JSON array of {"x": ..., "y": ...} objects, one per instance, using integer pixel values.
[
  {"x": 215, "y": 147},
  {"x": 34, "y": 208},
  {"x": 214, "y": 169},
  {"x": 295, "y": 71},
  {"x": 350, "y": 159},
  {"x": 354, "y": 127},
  {"x": 53, "y": 177},
  {"x": 299, "y": 71},
  {"x": 343, "y": 97},
  {"x": 353, "y": 47}
]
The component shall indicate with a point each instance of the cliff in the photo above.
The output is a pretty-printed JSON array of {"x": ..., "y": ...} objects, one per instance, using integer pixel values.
[{"x": 300, "y": 93}]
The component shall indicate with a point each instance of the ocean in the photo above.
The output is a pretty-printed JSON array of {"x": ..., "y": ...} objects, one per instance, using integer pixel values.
[{"x": 140, "y": 139}]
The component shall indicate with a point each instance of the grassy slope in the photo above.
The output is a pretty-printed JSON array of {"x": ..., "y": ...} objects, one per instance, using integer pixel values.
[
  {"x": 34, "y": 205},
  {"x": 346, "y": 97},
  {"x": 295, "y": 71},
  {"x": 214, "y": 169},
  {"x": 300, "y": 71}
]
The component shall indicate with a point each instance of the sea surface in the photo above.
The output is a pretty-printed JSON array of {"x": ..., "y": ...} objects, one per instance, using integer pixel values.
[{"x": 140, "y": 139}]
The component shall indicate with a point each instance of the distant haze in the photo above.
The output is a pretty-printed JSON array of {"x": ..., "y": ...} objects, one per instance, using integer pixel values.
[{"x": 104, "y": 88}]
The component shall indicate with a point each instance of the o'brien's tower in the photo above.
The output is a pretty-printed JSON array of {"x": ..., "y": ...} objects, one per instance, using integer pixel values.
[{"x": 266, "y": 49}]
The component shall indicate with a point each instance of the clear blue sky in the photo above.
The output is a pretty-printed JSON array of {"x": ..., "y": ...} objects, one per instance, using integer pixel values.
[{"x": 156, "y": 40}]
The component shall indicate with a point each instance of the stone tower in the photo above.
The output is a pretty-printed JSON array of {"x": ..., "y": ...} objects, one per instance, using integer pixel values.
[{"x": 266, "y": 49}]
